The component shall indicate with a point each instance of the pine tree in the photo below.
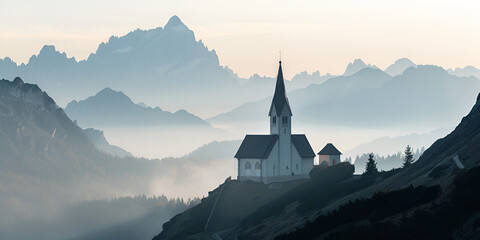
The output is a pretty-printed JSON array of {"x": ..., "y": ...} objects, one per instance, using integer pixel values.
[
  {"x": 371, "y": 167},
  {"x": 408, "y": 160}
]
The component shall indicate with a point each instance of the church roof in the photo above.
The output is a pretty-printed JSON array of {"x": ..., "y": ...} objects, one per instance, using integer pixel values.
[
  {"x": 256, "y": 146},
  {"x": 260, "y": 146},
  {"x": 302, "y": 145},
  {"x": 280, "y": 96},
  {"x": 329, "y": 149}
]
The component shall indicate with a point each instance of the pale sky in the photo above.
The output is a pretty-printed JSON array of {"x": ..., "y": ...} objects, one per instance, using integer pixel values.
[{"x": 247, "y": 35}]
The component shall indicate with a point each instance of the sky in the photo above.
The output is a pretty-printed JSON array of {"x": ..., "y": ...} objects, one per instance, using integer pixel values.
[{"x": 247, "y": 35}]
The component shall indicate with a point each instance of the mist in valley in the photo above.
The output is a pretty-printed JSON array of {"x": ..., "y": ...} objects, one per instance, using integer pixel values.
[{"x": 114, "y": 146}]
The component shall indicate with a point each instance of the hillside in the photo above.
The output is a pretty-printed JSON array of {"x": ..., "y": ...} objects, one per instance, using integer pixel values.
[
  {"x": 42, "y": 148},
  {"x": 113, "y": 108},
  {"x": 49, "y": 165},
  {"x": 98, "y": 139},
  {"x": 440, "y": 186}
]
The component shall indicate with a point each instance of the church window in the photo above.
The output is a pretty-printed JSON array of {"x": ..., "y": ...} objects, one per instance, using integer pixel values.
[
  {"x": 257, "y": 165},
  {"x": 247, "y": 165},
  {"x": 297, "y": 165},
  {"x": 284, "y": 130},
  {"x": 274, "y": 120}
]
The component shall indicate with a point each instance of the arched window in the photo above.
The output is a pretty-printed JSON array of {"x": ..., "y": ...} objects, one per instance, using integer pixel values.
[
  {"x": 274, "y": 120},
  {"x": 248, "y": 169},
  {"x": 258, "y": 170}
]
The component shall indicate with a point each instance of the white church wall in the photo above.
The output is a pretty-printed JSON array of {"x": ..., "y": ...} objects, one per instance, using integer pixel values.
[
  {"x": 249, "y": 174},
  {"x": 307, "y": 165},
  {"x": 271, "y": 167},
  {"x": 296, "y": 161},
  {"x": 285, "y": 146}
]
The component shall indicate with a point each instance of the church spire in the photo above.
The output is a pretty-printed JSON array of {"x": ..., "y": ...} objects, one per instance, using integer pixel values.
[{"x": 280, "y": 99}]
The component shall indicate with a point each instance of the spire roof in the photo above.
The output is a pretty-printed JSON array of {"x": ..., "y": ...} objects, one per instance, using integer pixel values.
[{"x": 280, "y": 96}]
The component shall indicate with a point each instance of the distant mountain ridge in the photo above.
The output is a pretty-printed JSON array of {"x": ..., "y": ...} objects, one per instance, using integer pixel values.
[
  {"x": 428, "y": 94},
  {"x": 113, "y": 108},
  {"x": 100, "y": 142},
  {"x": 399, "y": 66},
  {"x": 158, "y": 64},
  {"x": 356, "y": 66},
  {"x": 468, "y": 71}
]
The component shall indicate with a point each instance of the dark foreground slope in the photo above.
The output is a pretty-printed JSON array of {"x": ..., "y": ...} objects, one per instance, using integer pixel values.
[{"x": 335, "y": 204}]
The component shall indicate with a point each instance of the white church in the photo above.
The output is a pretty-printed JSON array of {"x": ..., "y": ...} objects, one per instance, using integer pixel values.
[{"x": 280, "y": 156}]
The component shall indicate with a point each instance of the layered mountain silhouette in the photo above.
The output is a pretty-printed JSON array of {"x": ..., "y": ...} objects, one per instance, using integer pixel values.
[
  {"x": 468, "y": 71},
  {"x": 399, "y": 66},
  {"x": 100, "y": 142},
  {"x": 158, "y": 64},
  {"x": 113, "y": 108},
  {"x": 356, "y": 66},
  {"x": 49, "y": 163},
  {"x": 424, "y": 94}
]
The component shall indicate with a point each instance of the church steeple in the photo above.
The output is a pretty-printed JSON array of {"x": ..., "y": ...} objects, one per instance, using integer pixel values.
[{"x": 280, "y": 99}]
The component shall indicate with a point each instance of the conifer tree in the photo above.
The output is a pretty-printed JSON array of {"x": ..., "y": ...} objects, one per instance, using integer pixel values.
[
  {"x": 371, "y": 167},
  {"x": 408, "y": 160}
]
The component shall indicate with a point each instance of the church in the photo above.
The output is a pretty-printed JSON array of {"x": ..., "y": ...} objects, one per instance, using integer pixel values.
[{"x": 281, "y": 155}]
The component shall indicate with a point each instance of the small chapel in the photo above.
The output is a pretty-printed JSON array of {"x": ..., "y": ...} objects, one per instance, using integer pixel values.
[{"x": 281, "y": 155}]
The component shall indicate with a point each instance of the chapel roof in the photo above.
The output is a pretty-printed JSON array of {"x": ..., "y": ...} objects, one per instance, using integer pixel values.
[
  {"x": 329, "y": 149},
  {"x": 302, "y": 145},
  {"x": 260, "y": 146},
  {"x": 256, "y": 146}
]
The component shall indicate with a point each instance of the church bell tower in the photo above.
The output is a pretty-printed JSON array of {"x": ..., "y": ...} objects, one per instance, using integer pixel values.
[{"x": 280, "y": 124}]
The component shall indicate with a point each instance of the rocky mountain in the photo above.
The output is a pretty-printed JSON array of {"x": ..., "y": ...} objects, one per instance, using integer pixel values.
[
  {"x": 45, "y": 154},
  {"x": 114, "y": 108},
  {"x": 468, "y": 71},
  {"x": 356, "y": 66},
  {"x": 100, "y": 142},
  {"x": 153, "y": 65},
  {"x": 399, "y": 66},
  {"x": 48, "y": 164},
  {"x": 410, "y": 99},
  {"x": 416, "y": 202},
  {"x": 336, "y": 87}
]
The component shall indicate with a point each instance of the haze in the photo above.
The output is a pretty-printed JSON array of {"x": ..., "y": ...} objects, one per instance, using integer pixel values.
[{"x": 247, "y": 35}]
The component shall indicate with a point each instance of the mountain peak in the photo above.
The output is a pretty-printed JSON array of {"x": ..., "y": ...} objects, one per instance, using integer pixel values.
[
  {"x": 176, "y": 24},
  {"x": 110, "y": 93},
  {"x": 47, "y": 50},
  {"x": 356, "y": 66},
  {"x": 18, "y": 81},
  {"x": 399, "y": 66}
]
